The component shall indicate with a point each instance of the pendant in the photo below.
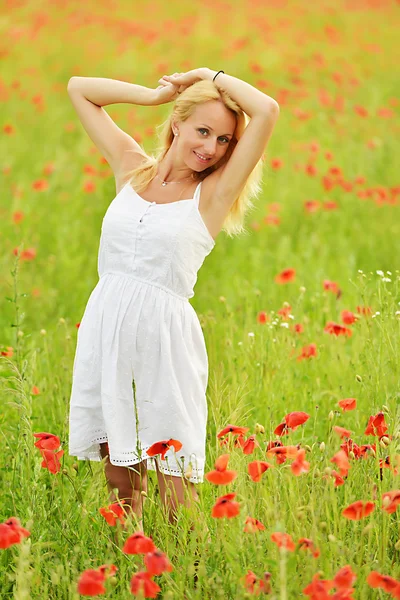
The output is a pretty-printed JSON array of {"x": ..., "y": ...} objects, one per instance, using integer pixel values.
[{"x": 164, "y": 183}]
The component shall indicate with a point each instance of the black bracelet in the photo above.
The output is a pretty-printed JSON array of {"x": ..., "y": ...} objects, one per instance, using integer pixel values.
[{"x": 217, "y": 74}]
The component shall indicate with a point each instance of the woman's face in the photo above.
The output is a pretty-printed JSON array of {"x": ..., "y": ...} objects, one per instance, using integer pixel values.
[{"x": 206, "y": 134}]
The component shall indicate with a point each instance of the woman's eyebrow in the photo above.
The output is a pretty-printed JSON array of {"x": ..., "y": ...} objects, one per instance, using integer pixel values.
[{"x": 227, "y": 134}]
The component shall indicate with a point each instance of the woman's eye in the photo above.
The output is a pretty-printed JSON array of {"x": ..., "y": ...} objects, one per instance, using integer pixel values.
[{"x": 202, "y": 129}]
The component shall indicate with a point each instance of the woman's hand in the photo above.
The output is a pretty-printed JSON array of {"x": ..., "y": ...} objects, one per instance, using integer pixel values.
[{"x": 172, "y": 85}]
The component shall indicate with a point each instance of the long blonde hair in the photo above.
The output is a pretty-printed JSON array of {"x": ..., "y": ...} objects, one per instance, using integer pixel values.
[{"x": 185, "y": 105}]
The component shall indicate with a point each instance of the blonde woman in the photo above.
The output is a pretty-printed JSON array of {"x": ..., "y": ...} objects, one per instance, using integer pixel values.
[{"x": 140, "y": 374}]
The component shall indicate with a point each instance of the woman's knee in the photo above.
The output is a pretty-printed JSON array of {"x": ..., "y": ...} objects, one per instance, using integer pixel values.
[{"x": 125, "y": 479}]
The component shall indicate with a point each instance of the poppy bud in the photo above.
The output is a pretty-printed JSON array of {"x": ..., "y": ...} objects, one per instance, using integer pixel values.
[
  {"x": 222, "y": 299},
  {"x": 20, "y": 334},
  {"x": 385, "y": 408},
  {"x": 331, "y": 415},
  {"x": 367, "y": 529},
  {"x": 322, "y": 446},
  {"x": 331, "y": 538},
  {"x": 307, "y": 447},
  {"x": 43, "y": 332},
  {"x": 112, "y": 581},
  {"x": 143, "y": 493},
  {"x": 317, "y": 473},
  {"x": 328, "y": 470},
  {"x": 358, "y": 378},
  {"x": 259, "y": 428},
  {"x": 383, "y": 443},
  {"x": 61, "y": 320},
  {"x": 351, "y": 454},
  {"x": 75, "y": 466},
  {"x": 300, "y": 515},
  {"x": 65, "y": 471},
  {"x": 323, "y": 525},
  {"x": 385, "y": 440}
]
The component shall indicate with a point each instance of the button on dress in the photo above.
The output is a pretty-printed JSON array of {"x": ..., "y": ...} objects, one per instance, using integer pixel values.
[{"x": 140, "y": 370}]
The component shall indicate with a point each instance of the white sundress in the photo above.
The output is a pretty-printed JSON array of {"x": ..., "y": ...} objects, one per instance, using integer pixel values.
[{"x": 140, "y": 338}]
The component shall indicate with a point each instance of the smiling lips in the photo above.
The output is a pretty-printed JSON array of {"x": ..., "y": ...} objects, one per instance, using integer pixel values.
[{"x": 201, "y": 159}]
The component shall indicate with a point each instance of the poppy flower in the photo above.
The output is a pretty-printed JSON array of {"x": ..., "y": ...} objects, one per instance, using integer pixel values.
[
  {"x": 113, "y": 512},
  {"x": 342, "y": 461},
  {"x": 300, "y": 465},
  {"x": 12, "y": 533},
  {"x": 47, "y": 441},
  {"x": 142, "y": 583},
  {"x": 252, "y": 525},
  {"x": 257, "y": 468},
  {"x": 157, "y": 562},
  {"x": 344, "y": 578},
  {"x": 91, "y": 581},
  {"x": 285, "y": 276},
  {"x": 390, "y": 501},
  {"x": 387, "y": 583},
  {"x": 255, "y": 585},
  {"x": 342, "y": 432},
  {"x": 220, "y": 476},
  {"x": 225, "y": 506},
  {"x": 51, "y": 460},
  {"x": 358, "y": 510},
  {"x": 376, "y": 425},
  {"x": 239, "y": 441},
  {"x": 307, "y": 351},
  {"x": 283, "y": 452},
  {"x": 232, "y": 429},
  {"x": 318, "y": 588},
  {"x": 283, "y": 540},
  {"x": 307, "y": 544},
  {"x": 347, "y": 404},
  {"x": 163, "y": 447},
  {"x": 337, "y": 329},
  {"x": 250, "y": 444},
  {"x": 138, "y": 543}
]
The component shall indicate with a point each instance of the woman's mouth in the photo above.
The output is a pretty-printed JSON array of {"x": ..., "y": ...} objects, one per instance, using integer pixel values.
[{"x": 202, "y": 160}]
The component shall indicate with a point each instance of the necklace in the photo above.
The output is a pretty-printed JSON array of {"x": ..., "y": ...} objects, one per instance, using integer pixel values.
[{"x": 164, "y": 183}]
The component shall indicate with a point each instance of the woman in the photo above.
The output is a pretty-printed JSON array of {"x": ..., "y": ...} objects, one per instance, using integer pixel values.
[{"x": 141, "y": 370}]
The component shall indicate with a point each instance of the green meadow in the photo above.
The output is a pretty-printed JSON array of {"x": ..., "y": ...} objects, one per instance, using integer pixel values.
[{"x": 300, "y": 313}]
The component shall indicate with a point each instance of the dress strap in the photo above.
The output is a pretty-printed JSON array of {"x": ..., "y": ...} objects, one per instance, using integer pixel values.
[{"x": 196, "y": 196}]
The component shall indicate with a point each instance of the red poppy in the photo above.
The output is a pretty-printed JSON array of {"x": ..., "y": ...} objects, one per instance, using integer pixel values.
[
  {"x": 157, "y": 562},
  {"x": 387, "y": 583},
  {"x": 285, "y": 276},
  {"x": 91, "y": 583},
  {"x": 390, "y": 501},
  {"x": 318, "y": 588},
  {"x": 255, "y": 585},
  {"x": 342, "y": 432},
  {"x": 250, "y": 444},
  {"x": 142, "y": 583},
  {"x": 358, "y": 510},
  {"x": 163, "y": 447},
  {"x": 307, "y": 544},
  {"x": 308, "y": 351},
  {"x": 51, "y": 460},
  {"x": 138, "y": 543},
  {"x": 47, "y": 441},
  {"x": 257, "y": 468},
  {"x": 283, "y": 540},
  {"x": 344, "y": 578},
  {"x": 225, "y": 506},
  {"x": 376, "y": 425},
  {"x": 113, "y": 512},
  {"x": 337, "y": 329},
  {"x": 220, "y": 476},
  {"x": 347, "y": 404},
  {"x": 12, "y": 533},
  {"x": 232, "y": 429},
  {"x": 300, "y": 465},
  {"x": 342, "y": 461},
  {"x": 252, "y": 525}
]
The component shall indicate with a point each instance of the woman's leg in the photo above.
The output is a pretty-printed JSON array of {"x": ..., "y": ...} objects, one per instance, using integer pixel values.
[{"x": 129, "y": 483}]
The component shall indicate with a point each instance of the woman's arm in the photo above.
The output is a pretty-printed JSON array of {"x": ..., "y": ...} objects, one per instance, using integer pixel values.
[
  {"x": 249, "y": 98},
  {"x": 102, "y": 91}
]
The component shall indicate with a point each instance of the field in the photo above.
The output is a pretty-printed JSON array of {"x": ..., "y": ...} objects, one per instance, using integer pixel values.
[{"x": 300, "y": 314}]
